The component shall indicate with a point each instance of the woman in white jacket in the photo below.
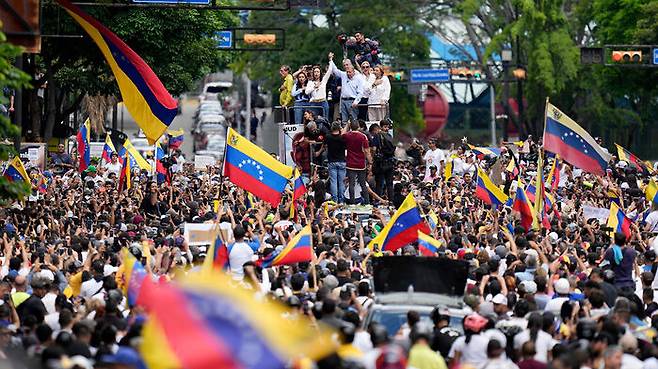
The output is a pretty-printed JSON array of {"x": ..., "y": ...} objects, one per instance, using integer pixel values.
[
  {"x": 317, "y": 90},
  {"x": 380, "y": 92}
]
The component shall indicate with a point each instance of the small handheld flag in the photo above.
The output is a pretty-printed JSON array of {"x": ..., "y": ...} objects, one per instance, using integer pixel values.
[
  {"x": 523, "y": 206},
  {"x": 84, "y": 151},
  {"x": 651, "y": 192},
  {"x": 630, "y": 158},
  {"x": 299, "y": 249},
  {"x": 427, "y": 245},
  {"x": 124, "y": 177},
  {"x": 487, "y": 191},
  {"x": 618, "y": 221},
  {"x": 176, "y": 138},
  {"x": 402, "y": 228},
  {"x": 15, "y": 171},
  {"x": 217, "y": 255}
]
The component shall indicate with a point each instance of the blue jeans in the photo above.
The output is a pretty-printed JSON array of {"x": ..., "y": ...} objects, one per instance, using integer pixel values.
[
  {"x": 320, "y": 108},
  {"x": 299, "y": 108},
  {"x": 337, "y": 180},
  {"x": 347, "y": 111}
]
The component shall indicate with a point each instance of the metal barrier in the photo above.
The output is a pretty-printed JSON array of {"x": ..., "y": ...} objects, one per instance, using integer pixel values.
[{"x": 286, "y": 114}]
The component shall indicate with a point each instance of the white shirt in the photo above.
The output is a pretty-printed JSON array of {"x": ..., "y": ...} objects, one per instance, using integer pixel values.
[
  {"x": 240, "y": 254},
  {"x": 474, "y": 352},
  {"x": 52, "y": 320},
  {"x": 543, "y": 344},
  {"x": 49, "y": 302},
  {"x": 433, "y": 157},
  {"x": 555, "y": 305},
  {"x": 113, "y": 168},
  {"x": 90, "y": 288},
  {"x": 317, "y": 90},
  {"x": 652, "y": 221},
  {"x": 629, "y": 361},
  {"x": 381, "y": 93}
]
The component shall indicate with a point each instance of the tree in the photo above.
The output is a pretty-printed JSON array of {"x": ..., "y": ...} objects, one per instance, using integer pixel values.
[
  {"x": 311, "y": 35},
  {"x": 178, "y": 44},
  {"x": 11, "y": 78}
]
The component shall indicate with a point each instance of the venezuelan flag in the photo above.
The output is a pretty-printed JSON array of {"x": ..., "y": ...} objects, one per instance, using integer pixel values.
[
  {"x": 484, "y": 151},
  {"x": 564, "y": 137},
  {"x": 145, "y": 97},
  {"x": 511, "y": 168},
  {"x": 299, "y": 249},
  {"x": 427, "y": 245},
  {"x": 42, "y": 186},
  {"x": 161, "y": 171},
  {"x": 108, "y": 149},
  {"x": 298, "y": 186},
  {"x": 253, "y": 169},
  {"x": 554, "y": 174},
  {"x": 432, "y": 219},
  {"x": 487, "y": 191},
  {"x": 15, "y": 171},
  {"x": 612, "y": 195},
  {"x": 125, "y": 181},
  {"x": 206, "y": 322},
  {"x": 131, "y": 277},
  {"x": 136, "y": 159},
  {"x": 651, "y": 192},
  {"x": 176, "y": 138},
  {"x": 402, "y": 228},
  {"x": 523, "y": 206},
  {"x": 630, "y": 158},
  {"x": 84, "y": 150},
  {"x": 217, "y": 256},
  {"x": 539, "y": 185},
  {"x": 618, "y": 221}
]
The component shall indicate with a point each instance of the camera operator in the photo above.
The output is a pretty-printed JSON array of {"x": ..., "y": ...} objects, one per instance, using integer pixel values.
[{"x": 383, "y": 153}]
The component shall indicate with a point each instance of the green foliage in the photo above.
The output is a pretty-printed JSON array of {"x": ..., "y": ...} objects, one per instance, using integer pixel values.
[
  {"x": 11, "y": 78},
  {"x": 402, "y": 40}
]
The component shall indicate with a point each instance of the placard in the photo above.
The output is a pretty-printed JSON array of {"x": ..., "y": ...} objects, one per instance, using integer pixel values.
[{"x": 201, "y": 162}]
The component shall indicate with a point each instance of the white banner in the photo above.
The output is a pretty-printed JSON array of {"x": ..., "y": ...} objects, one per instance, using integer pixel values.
[
  {"x": 201, "y": 162},
  {"x": 200, "y": 233},
  {"x": 599, "y": 213}
]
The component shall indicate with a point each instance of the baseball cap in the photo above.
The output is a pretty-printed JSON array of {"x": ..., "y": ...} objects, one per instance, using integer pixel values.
[
  {"x": 562, "y": 286},
  {"x": 499, "y": 299},
  {"x": 552, "y": 238},
  {"x": 529, "y": 286}
]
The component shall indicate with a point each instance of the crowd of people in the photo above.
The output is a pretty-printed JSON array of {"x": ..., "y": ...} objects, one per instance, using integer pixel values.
[{"x": 565, "y": 296}]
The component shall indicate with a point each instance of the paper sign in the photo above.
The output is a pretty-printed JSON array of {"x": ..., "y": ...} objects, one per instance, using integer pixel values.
[
  {"x": 199, "y": 233},
  {"x": 599, "y": 213},
  {"x": 201, "y": 162}
]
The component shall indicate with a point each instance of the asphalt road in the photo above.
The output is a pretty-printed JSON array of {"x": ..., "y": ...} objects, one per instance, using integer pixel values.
[{"x": 267, "y": 133}]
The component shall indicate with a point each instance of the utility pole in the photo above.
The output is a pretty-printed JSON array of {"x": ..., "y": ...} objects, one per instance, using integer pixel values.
[
  {"x": 247, "y": 105},
  {"x": 492, "y": 101}
]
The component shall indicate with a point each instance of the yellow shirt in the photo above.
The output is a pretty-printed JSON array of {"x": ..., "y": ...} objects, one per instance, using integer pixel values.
[
  {"x": 75, "y": 283},
  {"x": 285, "y": 98},
  {"x": 422, "y": 357}
]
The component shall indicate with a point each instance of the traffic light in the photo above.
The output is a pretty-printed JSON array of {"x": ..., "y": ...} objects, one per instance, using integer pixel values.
[
  {"x": 399, "y": 76},
  {"x": 259, "y": 38},
  {"x": 626, "y": 56},
  {"x": 466, "y": 73},
  {"x": 591, "y": 55}
]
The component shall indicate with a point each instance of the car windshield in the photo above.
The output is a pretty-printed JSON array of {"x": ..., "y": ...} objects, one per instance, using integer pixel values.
[{"x": 394, "y": 319}]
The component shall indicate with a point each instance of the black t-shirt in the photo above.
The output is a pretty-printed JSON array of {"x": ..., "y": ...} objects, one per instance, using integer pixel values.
[
  {"x": 32, "y": 306},
  {"x": 335, "y": 147}
]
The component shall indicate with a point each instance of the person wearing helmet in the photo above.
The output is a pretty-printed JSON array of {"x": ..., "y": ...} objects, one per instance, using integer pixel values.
[
  {"x": 421, "y": 355},
  {"x": 471, "y": 348}
]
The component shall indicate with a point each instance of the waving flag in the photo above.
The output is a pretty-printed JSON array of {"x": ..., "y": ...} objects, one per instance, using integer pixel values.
[
  {"x": 161, "y": 171},
  {"x": 630, "y": 158},
  {"x": 131, "y": 277},
  {"x": 125, "y": 181},
  {"x": 15, "y": 171},
  {"x": 432, "y": 219},
  {"x": 512, "y": 168},
  {"x": 176, "y": 138},
  {"x": 108, "y": 149},
  {"x": 554, "y": 174},
  {"x": 523, "y": 206},
  {"x": 448, "y": 170},
  {"x": 427, "y": 245},
  {"x": 136, "y": 159},
  {"x": 299, "y": 249},
  {"x": 618, "y": 221},
  {"x": 402, "y": 228},
  {"x": 84, "y": 151},
  {"x": 253, "y": 169},
  {"x": 145, "y": 97},
  {"x": 564, "y": 137},
  {"x": 298, "y": 186},
  {"x": 217, "y": 256},
  {"x": 205, "y": 321},
  {"x": 484, "y": 151},
  {"x": 651, "y": 192},
  {"x": 487, "y": 191}
]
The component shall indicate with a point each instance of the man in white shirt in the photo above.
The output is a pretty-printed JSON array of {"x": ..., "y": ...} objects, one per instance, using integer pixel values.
[
  {"x": 114, "y": 166},
  {"x": 94, "y": 285},
  {"x": 239, "y": 253},
  {"x": 433, "y": 156}
]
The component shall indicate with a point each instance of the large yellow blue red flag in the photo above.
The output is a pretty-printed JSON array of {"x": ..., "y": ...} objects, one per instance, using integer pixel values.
[
  {"x": 253, "y": 169},
  {"x": 145, "y": 97},
  {"x": 402, "y": 228},
  {"x": 487, "y": 191},
  {"x": 15, "y": 171},
  {"x": 206, "y": 321}
]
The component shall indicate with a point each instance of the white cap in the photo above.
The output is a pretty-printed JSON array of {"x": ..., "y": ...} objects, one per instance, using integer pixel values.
[
  {"x": 553, "y": 237},
  {"x": 621, "y": 164},
  {"x": 499, "y": 299},
  {"x": 47, "y": 274},
  {"x": 109, "y": 269},
  {"x": 529, "y": 286},
  {"x": 562, "y": 286}
]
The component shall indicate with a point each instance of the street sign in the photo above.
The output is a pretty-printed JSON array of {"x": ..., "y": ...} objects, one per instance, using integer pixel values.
[
  {"x": 430, "y": 75},
  {"x": 192, "y": 2},
  {"x": 224, "y": 39},
  {"x": 655, "y": 56}
]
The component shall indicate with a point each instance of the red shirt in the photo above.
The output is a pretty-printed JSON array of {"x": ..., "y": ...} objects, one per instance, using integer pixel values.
[{"x": 356, "y": 143}]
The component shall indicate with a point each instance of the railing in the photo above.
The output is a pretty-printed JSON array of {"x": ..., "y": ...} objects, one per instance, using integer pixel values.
[{"x": 286, "y": 114}]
